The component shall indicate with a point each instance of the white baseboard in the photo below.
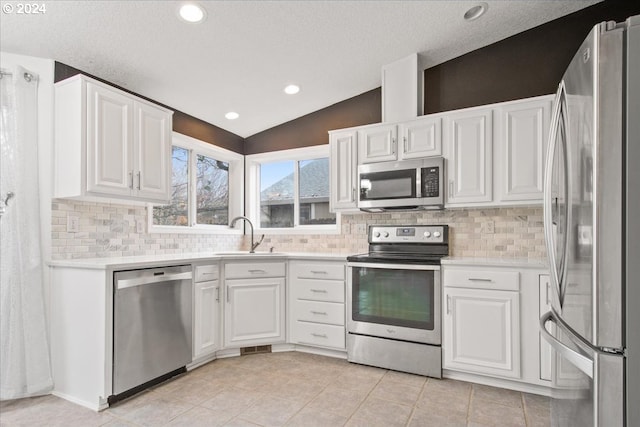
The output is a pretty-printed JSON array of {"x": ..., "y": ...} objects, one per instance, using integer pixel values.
[
  {"x": 497, "y": 382},
  {"x": 92, "y": 406}
]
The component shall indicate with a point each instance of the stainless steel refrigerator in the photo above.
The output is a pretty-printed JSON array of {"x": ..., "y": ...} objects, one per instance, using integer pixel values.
[{"x": 592, "y": 232}]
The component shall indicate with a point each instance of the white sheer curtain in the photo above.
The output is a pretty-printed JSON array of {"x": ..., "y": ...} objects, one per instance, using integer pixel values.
[{"x": 25, "y": 368}]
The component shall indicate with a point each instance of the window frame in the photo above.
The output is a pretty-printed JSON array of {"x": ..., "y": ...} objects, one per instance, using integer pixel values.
[
  {"x": 236, "y": 188},
  {"x": 252, "y": 189}
]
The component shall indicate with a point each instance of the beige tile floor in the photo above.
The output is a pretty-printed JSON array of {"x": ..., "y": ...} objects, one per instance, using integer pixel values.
[{"x": 294, "y": 389}]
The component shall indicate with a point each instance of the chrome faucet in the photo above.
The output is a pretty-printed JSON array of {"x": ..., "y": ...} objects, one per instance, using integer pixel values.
[{"x": 253, "y": 245}]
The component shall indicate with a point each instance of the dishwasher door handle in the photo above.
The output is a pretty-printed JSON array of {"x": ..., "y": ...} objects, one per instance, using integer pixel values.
[{"x": 139, "y": 281}]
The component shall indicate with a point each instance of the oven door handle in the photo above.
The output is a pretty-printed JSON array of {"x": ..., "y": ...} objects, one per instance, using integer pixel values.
[{"x": 393, "y": 266}]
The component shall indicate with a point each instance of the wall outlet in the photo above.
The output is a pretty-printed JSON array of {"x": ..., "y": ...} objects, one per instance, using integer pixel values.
[
  {"x": 361, "y": 229},
  {"x": 139, "y": 226},
  {"x": 73, "y": 224},
  {"x": 488, "y": 227}
]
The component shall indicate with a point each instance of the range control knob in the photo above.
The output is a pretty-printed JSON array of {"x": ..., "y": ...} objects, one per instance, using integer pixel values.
[
  {"x": 376, "y": 234},
  {"x": 427, "y": 234},
  {"x": 436, "y": 234},
  {"x": 385, "y": 234}
]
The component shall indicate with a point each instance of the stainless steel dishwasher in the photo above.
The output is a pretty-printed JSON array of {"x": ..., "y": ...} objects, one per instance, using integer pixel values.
[{"x": 151, "y": 326}]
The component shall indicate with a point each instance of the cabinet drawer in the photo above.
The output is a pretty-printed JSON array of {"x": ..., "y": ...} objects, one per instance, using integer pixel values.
[
  {"x": 205, "y": 273},
  {"x": 482, "y": 279},
  {"x": 320, "y": 335},
  {"x": 254, "y": 269},
  {"x": 317, "y": 270},
  {"x": 321, "y": 312},
  {"x": 318, "y": 290}
]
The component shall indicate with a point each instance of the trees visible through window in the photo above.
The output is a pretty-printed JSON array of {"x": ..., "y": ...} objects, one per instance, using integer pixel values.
[
  {"x": 176, "y": 213},
  {"x": 209, "y": 177},
  {"x": 212, "y": 191}
]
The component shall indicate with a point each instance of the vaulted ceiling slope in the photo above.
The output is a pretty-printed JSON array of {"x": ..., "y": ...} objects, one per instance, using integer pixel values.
[{"x": 244, "y": 53}]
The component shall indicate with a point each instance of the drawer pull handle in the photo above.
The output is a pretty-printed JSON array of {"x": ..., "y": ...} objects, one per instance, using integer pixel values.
[
  {"x": 257, "y": 271},
  {"x": 475, "y": 279},
  {"x": 318, "y": 272},
  {"x": 323, "y": 291},
  {"x": 206, "y": 274},
  {"x": 324, "y": 313},
  {"x": 319, "y": 335}
]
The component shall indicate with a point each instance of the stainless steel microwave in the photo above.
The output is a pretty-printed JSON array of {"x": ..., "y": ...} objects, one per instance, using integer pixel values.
[{"x": 403, "y": 185}]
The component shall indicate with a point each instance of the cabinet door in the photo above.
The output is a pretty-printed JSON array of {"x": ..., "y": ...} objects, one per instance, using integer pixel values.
[
  {"x": 254, "y": 312},
  {"x": 522, "y": 130},
  {"x": 482, "y": 331},
  {"x": 377, "y": 144},
  {"x": 153, "y": 152},
  {"x": 343, "y": 170},
  {"x": 109, "y": 141},
  {"x": 206, "y": 338},
  {"x": 468, "y": 144},
  {"x": 546, "y": 351},
  {"x": 420, "y": 138}
]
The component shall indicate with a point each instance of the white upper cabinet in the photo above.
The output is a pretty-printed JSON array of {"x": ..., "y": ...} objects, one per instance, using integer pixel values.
[
  {"x": 413, "y": 139},
  {"x": 521, "y": 132},
  {"x": 110, "y": 143},
  {"x": 153, "y": 160},
  {"x": 377, "y": 143},
  {"x": 343, "y": 170},
  {"x": 420, "y": 138},
  {"x": 468, "y": 141}
]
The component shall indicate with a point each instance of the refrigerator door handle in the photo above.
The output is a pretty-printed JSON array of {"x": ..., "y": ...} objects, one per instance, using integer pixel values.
[
  {"x": 581, "y": 362},
  {"x": 557, "y": 116}
]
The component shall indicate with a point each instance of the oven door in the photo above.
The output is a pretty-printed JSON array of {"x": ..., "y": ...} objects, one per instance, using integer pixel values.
[{"x": 395, "y": 301}]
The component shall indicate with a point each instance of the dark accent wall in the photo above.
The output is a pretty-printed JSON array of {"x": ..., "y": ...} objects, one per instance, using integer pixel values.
[
  {"x": 182, "y": 122},
  {"x": 312, "y": 128},
  {"x": 527, "y": 64}
]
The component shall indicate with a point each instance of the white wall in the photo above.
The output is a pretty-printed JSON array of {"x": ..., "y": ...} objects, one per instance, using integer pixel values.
[{"x": 44, "y": 68}]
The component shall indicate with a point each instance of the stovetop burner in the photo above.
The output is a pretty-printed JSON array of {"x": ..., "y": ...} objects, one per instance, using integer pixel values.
[{"x": 406, "y": 244}]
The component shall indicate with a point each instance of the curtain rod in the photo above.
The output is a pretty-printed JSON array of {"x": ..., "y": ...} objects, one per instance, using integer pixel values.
[{"x": 27, "y": 76}]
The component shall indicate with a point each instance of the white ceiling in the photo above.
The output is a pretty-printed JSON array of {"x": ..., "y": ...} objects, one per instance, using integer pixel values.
[{"x": 245, "y": 52}]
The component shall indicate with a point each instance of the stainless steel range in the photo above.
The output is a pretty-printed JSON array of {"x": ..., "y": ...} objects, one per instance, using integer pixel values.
[{"x": 394, "y": 299}]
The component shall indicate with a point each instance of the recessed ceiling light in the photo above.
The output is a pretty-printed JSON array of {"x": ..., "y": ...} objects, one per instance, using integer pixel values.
[
  {"x": 476, "y": 11},
  {"x": 291, "y": 89},
  {"x": 232, "y": 115},
  {"x": 192, "y": 12}
]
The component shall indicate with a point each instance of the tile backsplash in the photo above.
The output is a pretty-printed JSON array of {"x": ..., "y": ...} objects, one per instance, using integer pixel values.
[{"x": 109, "y": 230}]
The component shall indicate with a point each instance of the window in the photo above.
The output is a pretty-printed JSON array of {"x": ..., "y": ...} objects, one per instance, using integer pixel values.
[
  {"x": 206, "y": 188},
  {"x": 292, "y": 190},
  {"x": 176, "y": 213}
]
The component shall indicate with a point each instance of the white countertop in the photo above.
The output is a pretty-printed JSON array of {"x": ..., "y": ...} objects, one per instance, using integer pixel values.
[
  {"x": 115, "y": 263},
  {"x": 174, "y": 259}
]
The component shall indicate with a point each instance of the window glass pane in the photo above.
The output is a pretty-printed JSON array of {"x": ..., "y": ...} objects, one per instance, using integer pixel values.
[
  {"x": 176, "y": 212},
  {"x": 212, "y": 191},
  {"x": 276, "y": 194},
  {"x": 313, "y": 180}
]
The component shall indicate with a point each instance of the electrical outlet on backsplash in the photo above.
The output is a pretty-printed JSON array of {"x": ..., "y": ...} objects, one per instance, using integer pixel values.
[{"x": 111, "y": 230}]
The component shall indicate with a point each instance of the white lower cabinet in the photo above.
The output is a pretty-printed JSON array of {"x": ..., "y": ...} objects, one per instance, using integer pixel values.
[
  {"x": 254, "y": 311},
  {"x": 482, "y": 321},
  {"x": 316, "y": 304},
  {"x": 206, "y": 311},
  {"x": 482, "y": 330}
]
